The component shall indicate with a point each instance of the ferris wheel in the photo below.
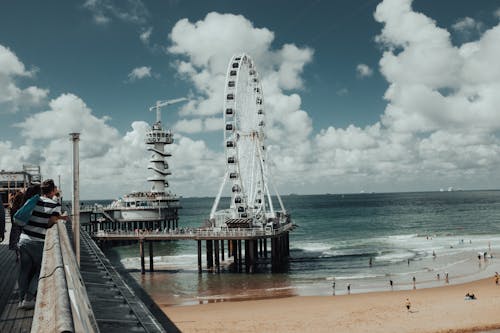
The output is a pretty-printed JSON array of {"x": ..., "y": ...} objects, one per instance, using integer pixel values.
[{"x": 245, "y": 150}]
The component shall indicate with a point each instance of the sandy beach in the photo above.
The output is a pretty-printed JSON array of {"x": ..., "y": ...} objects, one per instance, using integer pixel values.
[{"x": 440, "y": 309}]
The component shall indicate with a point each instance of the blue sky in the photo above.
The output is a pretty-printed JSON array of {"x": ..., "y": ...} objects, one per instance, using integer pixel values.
[{"x": 80, "y": 56}]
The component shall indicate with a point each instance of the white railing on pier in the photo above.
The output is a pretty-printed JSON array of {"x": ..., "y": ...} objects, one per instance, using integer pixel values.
[
  {"x": 195, "y": 233},
  {"x": 62, "y": 304}
]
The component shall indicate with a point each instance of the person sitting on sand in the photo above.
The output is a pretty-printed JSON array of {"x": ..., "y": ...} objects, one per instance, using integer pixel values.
[
  {"x": 408, "y": 304},
  {"x": 470, "y": 296}
]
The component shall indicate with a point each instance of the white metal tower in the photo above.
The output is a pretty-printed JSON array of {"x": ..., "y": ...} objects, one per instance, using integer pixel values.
[{"x": 157, "y": 138}]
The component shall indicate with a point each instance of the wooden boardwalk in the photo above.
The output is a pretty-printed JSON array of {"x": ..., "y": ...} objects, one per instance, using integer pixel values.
[
  {"x": 116, "y": 306},
  {"x": 11, "y": 319}
]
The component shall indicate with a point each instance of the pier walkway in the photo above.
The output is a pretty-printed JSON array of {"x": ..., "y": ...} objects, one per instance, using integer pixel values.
[
  {"x": 90, "y": 298},
  {"x": 11, "y": 319}
]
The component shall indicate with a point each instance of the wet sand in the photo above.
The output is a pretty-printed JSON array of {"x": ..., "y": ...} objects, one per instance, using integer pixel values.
[{"x": 440, "y": 309}]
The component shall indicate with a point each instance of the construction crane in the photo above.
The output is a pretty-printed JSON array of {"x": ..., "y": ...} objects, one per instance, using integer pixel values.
[{"x": 160, "y": 104}]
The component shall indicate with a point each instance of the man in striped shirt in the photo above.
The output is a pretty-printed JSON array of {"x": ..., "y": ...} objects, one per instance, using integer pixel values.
[{"x": 45, "y": 214}]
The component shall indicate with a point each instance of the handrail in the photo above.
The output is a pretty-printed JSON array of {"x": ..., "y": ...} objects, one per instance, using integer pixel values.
[
  {"x": 196, "y": 233},
  {"x": 62, "y": 304}
]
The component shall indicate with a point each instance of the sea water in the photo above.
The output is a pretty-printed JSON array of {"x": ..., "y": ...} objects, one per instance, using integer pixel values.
[{"x": 403, "y": 235}]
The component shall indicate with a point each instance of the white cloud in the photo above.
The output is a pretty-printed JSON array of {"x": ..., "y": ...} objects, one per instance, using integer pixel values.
[
  {"x": 104, "y": 11},
  {"x": 363, "y": 70},
  {"x": 189, "y": 126},
  {"x": 12, "y": 97},
  {"x": 139, "y": 73},
  {"x": 466, "y": 24},
  {"x": 468, "y": 28},
  {"x": 146, "y": 35},
  {"x": 198, "y": 125}
]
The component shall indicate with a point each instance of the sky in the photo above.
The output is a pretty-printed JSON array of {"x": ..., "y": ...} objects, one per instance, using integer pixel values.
[{"x": 360, "y": 96}]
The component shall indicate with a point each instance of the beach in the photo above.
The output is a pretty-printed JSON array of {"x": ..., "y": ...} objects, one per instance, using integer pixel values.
[{"x": 438, "y": 309}]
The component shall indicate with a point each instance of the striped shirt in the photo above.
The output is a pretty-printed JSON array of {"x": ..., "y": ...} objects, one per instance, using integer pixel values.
[{"x": 39, "y": 221}]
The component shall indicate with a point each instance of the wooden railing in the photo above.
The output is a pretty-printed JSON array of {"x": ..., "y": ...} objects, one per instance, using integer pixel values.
[{"x": 62, "y": 304}]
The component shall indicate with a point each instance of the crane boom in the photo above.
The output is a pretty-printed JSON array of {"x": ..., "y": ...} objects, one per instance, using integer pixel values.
[{"x": 160, "y": 104}]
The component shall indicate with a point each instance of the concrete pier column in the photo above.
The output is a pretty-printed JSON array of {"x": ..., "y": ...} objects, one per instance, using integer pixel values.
[
  {"x": 252, "y": 249},
  {"x": 199, "y": 256},
  {"x": 222, "y": 249},
  {"x": 217, "y": 262},
  {"x": 287, "y": 235},
  {"x": 210, "y": 255},
  {"x": 151, "y": 261},
  {"x": 141, "y": 252},
  {"x": 265, "y": 247},
  {"x": 255, "y": 249},
  {"x": 260, "y": 247},
  {"x": 239, "y": 255},
  {"x": 247, "y": 256}
]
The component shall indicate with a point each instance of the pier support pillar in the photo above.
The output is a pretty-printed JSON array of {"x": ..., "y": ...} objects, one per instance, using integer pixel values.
[
  {"x": 217, "y": 263},
  {"x": 151, "y": 262},
  {"x": 252, "y": 247},
  {"x": 247, "y": 256},
  {"x": 141, "y": 252},
  {"x": 199, "y": 256},
  {"x": 287, "y": 235},
  {"x": 239, "y": 255},
  {"x": 222, "y": 249},
  {"x": 265, "y": 247},
  {"x": 210, "y": 255}
]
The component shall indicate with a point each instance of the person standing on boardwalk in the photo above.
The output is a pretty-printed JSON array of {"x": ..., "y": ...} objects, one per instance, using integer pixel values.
[
  {"x": 45, "y": 214},
  {"x": 16, "y": 201},
  {"x": 408, "y": 305},
  {"x": 2, "y": 219}
]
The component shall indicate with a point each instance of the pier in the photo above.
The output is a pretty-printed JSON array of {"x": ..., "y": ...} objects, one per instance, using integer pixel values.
[
  {"x": 257, "y": 243},
  {"x": 91, "y": 297}
]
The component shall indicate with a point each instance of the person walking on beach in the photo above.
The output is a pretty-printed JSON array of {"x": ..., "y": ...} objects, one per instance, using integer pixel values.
[
  {"x": 497, "y": 277},
  {"x": 391, "y": 284},
  {"x": 446, "y": 278},
  {"x": 370, "y": 262},
  {"x": 414, "y": 283},
  {"x": 333, "y": 287},
  {"x": 348, "y": 288},
  {"x": 408, "y": 305}
]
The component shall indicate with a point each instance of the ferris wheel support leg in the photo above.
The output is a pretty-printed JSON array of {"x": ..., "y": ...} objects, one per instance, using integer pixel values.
[
  {"x": 217, "y": 199},
  {"x": 279, "y": 197},
  {"x": 269, "y": 199}
]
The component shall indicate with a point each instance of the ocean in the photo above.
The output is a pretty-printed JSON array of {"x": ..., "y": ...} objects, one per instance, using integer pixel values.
[{"x": 403, "y": 235}]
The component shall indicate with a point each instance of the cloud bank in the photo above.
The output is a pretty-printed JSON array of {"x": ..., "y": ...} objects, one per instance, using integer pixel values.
[{"x": 439, "y": 128}]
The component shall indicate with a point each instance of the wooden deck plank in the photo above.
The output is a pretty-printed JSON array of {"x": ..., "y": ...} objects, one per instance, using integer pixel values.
[{"x": 11, "y": 319}]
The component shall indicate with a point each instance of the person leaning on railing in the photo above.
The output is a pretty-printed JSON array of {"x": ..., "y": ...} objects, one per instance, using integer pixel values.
[
  {"x": 2, "y": 219},
  {"x": 45, "y": 214}
]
